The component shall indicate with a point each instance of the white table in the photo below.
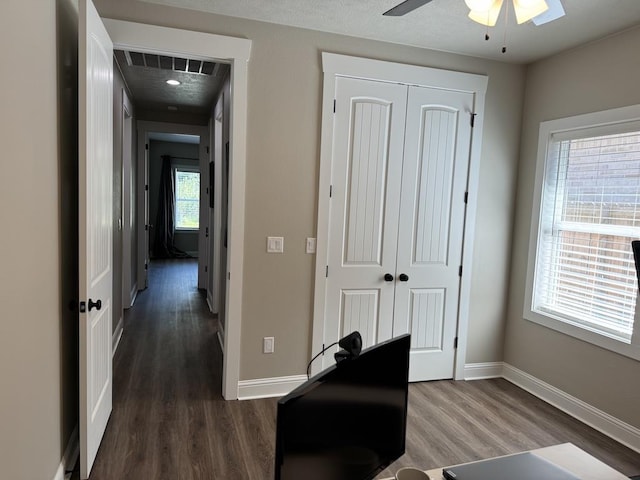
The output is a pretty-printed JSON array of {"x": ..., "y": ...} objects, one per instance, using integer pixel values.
[{"x": 569, "y": 457}]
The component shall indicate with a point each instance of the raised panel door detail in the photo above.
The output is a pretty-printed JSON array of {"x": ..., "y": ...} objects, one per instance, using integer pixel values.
[
  {"x": 100, "y": 335},
  {"x": 367, "y": 172},
  {"x": 436, "y": 156},
  {"x": 99, "y": 164},
  {"x": 426, "y": 318},
  {"x": 360, "y": 312}
]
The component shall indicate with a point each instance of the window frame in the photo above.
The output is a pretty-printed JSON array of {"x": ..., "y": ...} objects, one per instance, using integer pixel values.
[
  {"x": 182, "y": 168},
  {"x": 617, "y": 120}
]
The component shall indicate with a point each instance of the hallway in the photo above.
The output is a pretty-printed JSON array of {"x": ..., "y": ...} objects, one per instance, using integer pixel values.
[{"x": 169, "y": 419}]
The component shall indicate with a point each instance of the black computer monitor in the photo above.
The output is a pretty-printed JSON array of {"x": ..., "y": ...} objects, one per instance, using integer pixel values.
[{"x": 348, "y": 422}]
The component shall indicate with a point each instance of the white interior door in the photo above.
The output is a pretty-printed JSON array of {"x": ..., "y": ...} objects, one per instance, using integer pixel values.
[
  {"x": 431, "y": 227},
  {"x": 95, "y": 225},
  {"x": 366, "y": 175}
]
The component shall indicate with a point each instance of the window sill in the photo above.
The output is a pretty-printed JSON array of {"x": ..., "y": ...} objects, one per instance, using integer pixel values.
[
  {"x": 586, "y": 335},
  {"x": 186, "y": 230}
]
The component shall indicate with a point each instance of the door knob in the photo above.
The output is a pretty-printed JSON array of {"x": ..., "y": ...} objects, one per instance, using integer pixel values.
[
  {"x": 97, "y": 304},
  {"x": 403, "y": 277},
  {"x": 388, "y": 277}
]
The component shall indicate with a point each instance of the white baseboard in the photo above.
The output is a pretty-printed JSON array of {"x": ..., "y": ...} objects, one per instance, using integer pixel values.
[
  {"x": 221, "y": 340},
  {"x": 117, "y": 336},
  {"x": 69, "y": 457},
  {"x": 221, "y": 335},
  {"x": 603, "y": 422},
  {"x": 210, "y": 301},
  {"x": 481, "y": 371},
  {"x": 268, "y": 387},
  {"x": 133, "y": 295}
]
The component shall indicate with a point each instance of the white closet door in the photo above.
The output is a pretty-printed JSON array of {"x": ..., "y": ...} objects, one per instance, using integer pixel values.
[
  {"x": 431, "y": 227},
  {"x": 366, "y": 175}
]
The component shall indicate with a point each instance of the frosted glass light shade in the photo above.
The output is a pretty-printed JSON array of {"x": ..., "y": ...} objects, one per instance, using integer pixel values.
[
  {"x": 479, "y": 5},
  {"x": 487, "y": 17},
  {"x": 527, "y": 9}
]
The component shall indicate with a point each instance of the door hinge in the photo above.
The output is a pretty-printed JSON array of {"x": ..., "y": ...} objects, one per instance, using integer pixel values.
[
  {"x": 326, "y": 272},
  {"x": 206, "y": 269},
  {"x": 146, "y": 146},
  {"x": 460, "y": 271},
  {"x": 334, "y": 105},
  {"x": 330, "y": 191},
  {"x": 455, "y": 342},
  {"x": 473, "y": 119},
  {"x": 83, "y": 307},
  {"x": 146, "y": 188},
  {"x": 466, "y": 197},
  {"x": 207, "y": 150},
  {"x": 206, "y": 232},
  {"x": 146, "y": 266}
]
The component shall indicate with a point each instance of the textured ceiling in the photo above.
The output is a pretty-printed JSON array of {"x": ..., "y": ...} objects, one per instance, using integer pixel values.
[
  {"x": 146, "y": 77},
  {"x": 441, "y": 24}
]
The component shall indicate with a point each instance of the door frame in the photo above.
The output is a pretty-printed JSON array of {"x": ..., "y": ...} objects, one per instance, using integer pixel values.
[
  {"x": 129, "y": 283},
  {"x": 334, "y": 65},
  {"x": 236, "y": 52}
]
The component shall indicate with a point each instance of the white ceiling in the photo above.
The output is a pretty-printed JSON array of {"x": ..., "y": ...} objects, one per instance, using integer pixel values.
[{"x": 440, "y": 25}]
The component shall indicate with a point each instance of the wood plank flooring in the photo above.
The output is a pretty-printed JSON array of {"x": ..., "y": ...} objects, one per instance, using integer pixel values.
[{"x": 169, "y": 420}]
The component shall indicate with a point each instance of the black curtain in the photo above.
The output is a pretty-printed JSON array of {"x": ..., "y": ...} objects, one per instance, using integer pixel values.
[{"x": 164, "y": 240}]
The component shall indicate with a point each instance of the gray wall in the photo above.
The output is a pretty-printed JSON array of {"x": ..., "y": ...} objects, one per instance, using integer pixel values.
[
  {"x": 284, "y": 112},
  {"x": 596, "y": 77},
  {"x": 185, "y": 241},
  {"x": 39, "y": 243}
]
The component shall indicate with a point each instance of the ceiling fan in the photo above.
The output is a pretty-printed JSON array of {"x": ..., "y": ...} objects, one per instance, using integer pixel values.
[
  {"x": 539, "y": 12},
  {"x": 405, "y": 7}
]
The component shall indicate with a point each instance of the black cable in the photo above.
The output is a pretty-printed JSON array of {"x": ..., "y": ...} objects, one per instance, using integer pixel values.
[{"x": 323, "y": 350}]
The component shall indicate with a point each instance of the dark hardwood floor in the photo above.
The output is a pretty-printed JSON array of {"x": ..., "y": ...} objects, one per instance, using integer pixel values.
[{"x": 169, "y": 420}]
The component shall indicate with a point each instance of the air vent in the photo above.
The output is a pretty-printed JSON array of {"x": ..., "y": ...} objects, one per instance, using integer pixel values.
[{"x": 150, "y": 60}]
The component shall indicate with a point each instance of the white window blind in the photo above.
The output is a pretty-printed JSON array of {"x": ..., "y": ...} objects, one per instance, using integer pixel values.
[
  {"x": 590, "y": 213},
  {"x": 187, "y": 206}
]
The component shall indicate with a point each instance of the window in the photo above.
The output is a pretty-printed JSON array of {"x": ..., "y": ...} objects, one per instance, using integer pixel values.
[
  {"x": 187, "y": 185},
  {"x": 582, "y": 279}
]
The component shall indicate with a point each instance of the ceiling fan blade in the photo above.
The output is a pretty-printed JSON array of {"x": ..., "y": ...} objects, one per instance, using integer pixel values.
[
  {"x": 554, "y": 12},
  {"x": 405, "y": 7}
]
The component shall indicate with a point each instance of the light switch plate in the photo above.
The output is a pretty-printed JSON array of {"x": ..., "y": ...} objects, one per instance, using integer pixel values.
[
  {"x": 275, "y": 244},
  {"x": 311, "y": 245},
  {"x": 268, "y": 345}
]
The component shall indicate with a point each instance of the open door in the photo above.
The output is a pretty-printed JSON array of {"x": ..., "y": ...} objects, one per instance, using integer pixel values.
[{"x": 95, "y": 105}]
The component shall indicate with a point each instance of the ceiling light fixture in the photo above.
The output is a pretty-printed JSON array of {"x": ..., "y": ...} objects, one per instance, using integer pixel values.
[
  {"x": 173, "y": 82},
  {"x": 486, "y": 12}
]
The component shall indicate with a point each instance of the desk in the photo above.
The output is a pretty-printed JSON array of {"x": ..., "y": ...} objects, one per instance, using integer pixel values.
[{"x": 569, "y": 457}]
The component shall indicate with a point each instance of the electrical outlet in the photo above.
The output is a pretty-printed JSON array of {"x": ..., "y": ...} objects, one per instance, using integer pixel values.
[{"x": 268, "y": 345}]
